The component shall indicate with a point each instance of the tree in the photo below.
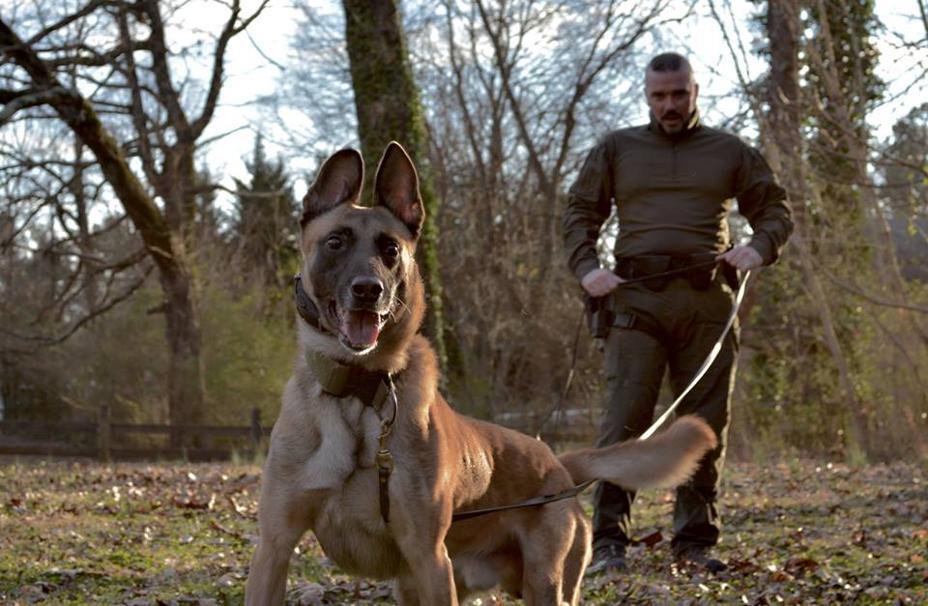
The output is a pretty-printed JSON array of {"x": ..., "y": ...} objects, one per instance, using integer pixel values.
[
  {"x": 904, "y": 168},
  {"x": 519, "y": 92},
  {"x": 266, "y": 218},
  {"x": 388, "y": 109},
  {"x": 106, "y": 72},
  {"x": 785, "y": 102},
  {"x": 817, "y": 352}
]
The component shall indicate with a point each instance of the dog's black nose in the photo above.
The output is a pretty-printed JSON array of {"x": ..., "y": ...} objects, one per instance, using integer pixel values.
[{"x": 367, "y": 289}]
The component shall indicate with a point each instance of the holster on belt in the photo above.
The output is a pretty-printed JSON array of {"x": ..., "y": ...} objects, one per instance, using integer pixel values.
[{"x": 598, "y": 315}]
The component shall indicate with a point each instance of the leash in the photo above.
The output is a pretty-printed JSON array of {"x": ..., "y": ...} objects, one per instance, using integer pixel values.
[
  {"x": 713, "y": 354},
  {"x": 385, "y": 457},
  {"x": 342, "y": 380},
  {"x": 533, "y": 502},
  {"x": 671, "y": 272},
  {"x": 567, "y": 384},
  {"x": 594, "y": 308}
]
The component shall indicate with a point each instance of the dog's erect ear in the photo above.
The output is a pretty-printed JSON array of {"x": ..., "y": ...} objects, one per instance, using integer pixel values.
[
  {"x": 339, "y": 181},
  {"x": 396, "y": 186}
]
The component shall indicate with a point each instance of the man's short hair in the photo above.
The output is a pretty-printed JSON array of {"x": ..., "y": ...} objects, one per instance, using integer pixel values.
[{"x": 669, "y": 62}]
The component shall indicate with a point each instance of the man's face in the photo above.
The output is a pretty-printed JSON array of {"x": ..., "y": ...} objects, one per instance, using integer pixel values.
[{"x": 671, "y": 97}]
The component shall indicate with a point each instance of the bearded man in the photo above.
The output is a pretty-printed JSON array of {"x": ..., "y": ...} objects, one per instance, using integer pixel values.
[{"x": 672, "y": 182}]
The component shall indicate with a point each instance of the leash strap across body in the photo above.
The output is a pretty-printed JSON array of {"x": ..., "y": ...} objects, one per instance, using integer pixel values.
[
  {"x": 670, "y": 272},
  {"x": 713, "y": 354},
  {"x": 533, "y": 502}
]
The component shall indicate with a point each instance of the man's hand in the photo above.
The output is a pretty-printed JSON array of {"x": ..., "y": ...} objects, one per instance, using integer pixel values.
[
  {"x": 743, "y": 257},
  {"x": 600, "y": 282}
]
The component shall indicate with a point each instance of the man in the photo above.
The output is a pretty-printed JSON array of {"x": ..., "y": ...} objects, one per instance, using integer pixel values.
[{"x": 672, "y": 182}]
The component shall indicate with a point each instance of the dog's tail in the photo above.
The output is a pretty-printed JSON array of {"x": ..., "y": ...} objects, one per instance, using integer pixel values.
[{"x": 667, "y": 459}]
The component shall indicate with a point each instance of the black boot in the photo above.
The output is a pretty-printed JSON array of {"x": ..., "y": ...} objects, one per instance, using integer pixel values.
[
  {"x": 698, "y": 556},
  {"x": 609, "y": 557}
]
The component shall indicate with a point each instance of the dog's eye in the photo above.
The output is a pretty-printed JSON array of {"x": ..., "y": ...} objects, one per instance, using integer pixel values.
[
  {"x": 334, "y": 242},
  {"x": 391, "y": 249}
]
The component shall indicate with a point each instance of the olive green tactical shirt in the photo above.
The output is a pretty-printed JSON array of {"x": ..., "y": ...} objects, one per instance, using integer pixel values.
[{"x": 673, "y": 194}]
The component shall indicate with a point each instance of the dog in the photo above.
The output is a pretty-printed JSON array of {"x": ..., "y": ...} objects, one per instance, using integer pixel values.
[{"x": 378, "y": 477}]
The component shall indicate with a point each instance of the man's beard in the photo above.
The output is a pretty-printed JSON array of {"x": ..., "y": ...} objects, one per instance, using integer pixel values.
[{"x": 675, "y": 127}]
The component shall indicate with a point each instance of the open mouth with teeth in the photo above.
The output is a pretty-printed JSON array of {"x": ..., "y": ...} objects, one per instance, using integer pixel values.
[{"x": 358, "y": 329}]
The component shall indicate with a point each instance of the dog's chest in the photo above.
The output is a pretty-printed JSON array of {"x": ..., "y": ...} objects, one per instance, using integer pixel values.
[
  {"x": 347, "y": 521},
  {"x": 348, "y": 433}
]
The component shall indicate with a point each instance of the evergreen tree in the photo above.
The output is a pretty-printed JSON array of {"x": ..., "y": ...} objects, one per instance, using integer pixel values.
[
  {"x": 905, "y": 170},
  {"x": 207, "y": 214},
  {"x": 905, "y": 191},
  {"x": 266, "y": 220}
]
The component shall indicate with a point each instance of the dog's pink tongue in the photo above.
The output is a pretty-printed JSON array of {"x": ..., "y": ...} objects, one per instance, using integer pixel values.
[{"x": 361, "y": 327}]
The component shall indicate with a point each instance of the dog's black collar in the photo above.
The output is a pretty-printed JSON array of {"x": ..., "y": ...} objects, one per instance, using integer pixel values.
[
  {"x": 305, "y": 306},
  {"x": 344, "y": 380}
]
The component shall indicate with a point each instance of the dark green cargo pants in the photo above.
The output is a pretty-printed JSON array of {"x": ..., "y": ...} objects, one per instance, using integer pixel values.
[{"x": 674, "y": 329}]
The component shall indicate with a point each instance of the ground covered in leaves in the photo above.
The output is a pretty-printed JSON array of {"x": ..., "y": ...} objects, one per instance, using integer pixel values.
[{"x": 144, "y": 534}]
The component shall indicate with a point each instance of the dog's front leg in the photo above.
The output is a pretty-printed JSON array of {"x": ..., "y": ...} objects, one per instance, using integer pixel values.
[
  {"x": 283, "y": 517},
  {"x": 422, "y": 543},
  {"x": 431, "y": 578},
  {"x": 405, "y": 590}
]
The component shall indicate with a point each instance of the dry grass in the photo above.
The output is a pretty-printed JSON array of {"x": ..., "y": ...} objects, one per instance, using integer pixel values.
[{"x": 801, "y": 533}]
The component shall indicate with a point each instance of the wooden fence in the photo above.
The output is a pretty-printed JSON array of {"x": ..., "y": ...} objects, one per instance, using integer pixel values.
[{"x": 107, "y": 440}]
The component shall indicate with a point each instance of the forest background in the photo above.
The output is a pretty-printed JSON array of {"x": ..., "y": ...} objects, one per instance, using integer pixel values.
[{"x": 142, "y": 268}]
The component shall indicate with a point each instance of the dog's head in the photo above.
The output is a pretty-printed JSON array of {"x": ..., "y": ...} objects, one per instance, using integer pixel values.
[{"x": 358, "y": 262}]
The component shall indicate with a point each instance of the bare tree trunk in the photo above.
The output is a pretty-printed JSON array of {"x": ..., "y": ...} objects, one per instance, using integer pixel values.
[
  {"x": 784, "y": 128},
  {"x": 187, "y": 382},
  {"x": 185, "y": 371},
  {"x": 388, "y": 108}
]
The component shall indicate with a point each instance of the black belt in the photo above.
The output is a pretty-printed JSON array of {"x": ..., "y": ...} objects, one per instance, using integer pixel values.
[
  {"x": 656, "y": 271},
  {"x": 699, "y": 269}
]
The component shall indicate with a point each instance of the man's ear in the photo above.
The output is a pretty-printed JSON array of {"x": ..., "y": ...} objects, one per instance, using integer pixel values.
[
  {"x": 396, "y": 186},
  {"x": 339, "y": 181}
]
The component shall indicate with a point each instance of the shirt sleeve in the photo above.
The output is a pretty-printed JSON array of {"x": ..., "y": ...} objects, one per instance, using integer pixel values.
[
  {"x": 762, "y": 202},
  {"x": 588, "y": 205}
]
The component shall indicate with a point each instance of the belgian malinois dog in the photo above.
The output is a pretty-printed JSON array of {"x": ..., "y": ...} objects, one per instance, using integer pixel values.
[{"x": 324, "y": 472}]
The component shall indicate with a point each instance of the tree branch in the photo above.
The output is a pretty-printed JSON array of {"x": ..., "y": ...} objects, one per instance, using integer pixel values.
[
  {"x": 89, "y": 8},
  {"x": 78, "y": 114},
  {"x": 167, "y": 94},
  {"x": 137, "y": 110},
  {"x": 15, "y": 101},
  {"x": 229, "y": 31},
  {"x": 872, "y": 299},
  {"x": 46, "y": 341}
]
